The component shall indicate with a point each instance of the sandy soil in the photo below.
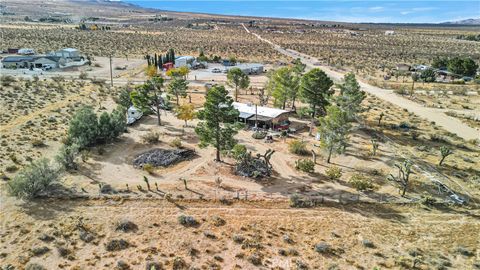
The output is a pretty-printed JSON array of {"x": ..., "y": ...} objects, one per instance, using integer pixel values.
[{"x": 399, "y": 235}]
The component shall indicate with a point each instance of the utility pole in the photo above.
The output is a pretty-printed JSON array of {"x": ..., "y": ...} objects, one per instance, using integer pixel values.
[
  {"x": 111, "y": 72},
  {"x": 256, "y": 119}
]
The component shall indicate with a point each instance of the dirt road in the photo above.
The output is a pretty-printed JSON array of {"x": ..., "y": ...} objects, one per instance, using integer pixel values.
[{"x": 448, "y": 123}]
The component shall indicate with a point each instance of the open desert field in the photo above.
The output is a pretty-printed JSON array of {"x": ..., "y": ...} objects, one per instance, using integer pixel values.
[{"x": 367, "y": 174}]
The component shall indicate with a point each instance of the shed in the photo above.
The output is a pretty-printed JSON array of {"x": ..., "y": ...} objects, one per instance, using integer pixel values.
[{"x": 17, "y": 61}]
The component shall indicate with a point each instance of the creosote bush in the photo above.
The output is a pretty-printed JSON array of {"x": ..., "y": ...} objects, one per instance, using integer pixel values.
[
  {"x": 187, "y": 221},
  {"x": 151, "y": 137},
  {"x": 298, "y": 147},
  {"x": 177, "y": 143},
  {"x": 305, "y": 165},
  {"x": 34, "y": 179},
  {"x": 334, "y": 172},
  {"x": 361, "y": 182}
]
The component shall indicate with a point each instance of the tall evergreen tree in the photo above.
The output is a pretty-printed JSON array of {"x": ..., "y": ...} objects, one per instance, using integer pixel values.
[
  {"x": 218, "y": 115},
  {"x": 178, "y": 87},
  {"x": 147, "y": 97},
  {"x": 316, "y": 90},
  {"x": 333, "y": 130},
  {"x": 351, "y": 96}
]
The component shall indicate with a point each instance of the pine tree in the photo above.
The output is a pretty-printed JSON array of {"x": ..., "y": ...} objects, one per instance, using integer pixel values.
[
  {"x": 316, "y": 90},
  {"x": 333, "y": 130},
  {"x": 351, "y": 96},
  {"x": 237, "y": 79},
  {"x": 218, "y": 114}
]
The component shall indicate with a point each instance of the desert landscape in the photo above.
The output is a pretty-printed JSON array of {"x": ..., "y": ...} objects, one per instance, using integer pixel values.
[{"x": 170, "y": 140}]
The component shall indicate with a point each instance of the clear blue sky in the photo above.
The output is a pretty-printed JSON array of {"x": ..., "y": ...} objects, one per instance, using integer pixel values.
[{"x": 406, "y": 11}]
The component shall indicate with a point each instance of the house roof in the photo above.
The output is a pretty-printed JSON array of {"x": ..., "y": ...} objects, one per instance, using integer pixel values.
[
  {"x": 70, "y": 50},
  {"x": 13, "y": 59},
  {"x": 49, "y": 57},
  {"x": 261, "y": 111}
]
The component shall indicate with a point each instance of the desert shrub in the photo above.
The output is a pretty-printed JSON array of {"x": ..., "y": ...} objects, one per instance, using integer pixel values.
[
  {"x": 126, "y": 226},
  {"x": 11, "y": 168},
  {"x": 37, "y": 143},
  {"x": 34, "y": 266},
  {"x": 255, "y": 259},
  {"x": 296, "y": 201},
  {"x": 177, "y": 143},
  {"x": 361, "y": 182},
  {"x": 298, "y": 147},
  {"x": 149, "y": 168},
  {"x": 151, "y": 137},
  {"x": 259, "y": 135},
  {"x": 218, "y": 221},
  {"x": 116, "y": 245},
  {"x": 238, "y": 238},
  {"x": 187, "y": 221},
  {"x": 83, "y": 128},
  {"x": 179, "y": 264},
  {"x": 334, "y": 172},
  {"x": 34, "y": 179},
  {"x": 305, "y": 165},
  {"x": 153, "y": 266},
  {"x": 83, "y": 75},
  {"x": 238, "y": 151},
  {"x": 66, "y": 156},
  {"x": 367, "y": 243},
  {"x": 323, "y": 248},
  {"x": 428, "y": 200},
  {"x": 7, "y": 80}
]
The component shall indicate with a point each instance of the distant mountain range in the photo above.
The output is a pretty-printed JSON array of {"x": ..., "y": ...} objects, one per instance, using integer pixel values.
[{"x": 466, "y": 21}]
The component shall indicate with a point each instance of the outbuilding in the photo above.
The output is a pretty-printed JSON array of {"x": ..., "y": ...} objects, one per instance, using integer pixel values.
[
  {"x": 248, "y": 68},
  {"x": 264, "y": 117},
  {"x": 17, "y": 61}
]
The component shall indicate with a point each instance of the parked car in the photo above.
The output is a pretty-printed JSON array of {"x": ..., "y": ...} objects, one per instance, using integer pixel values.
[{"x": 216, "y": 70}]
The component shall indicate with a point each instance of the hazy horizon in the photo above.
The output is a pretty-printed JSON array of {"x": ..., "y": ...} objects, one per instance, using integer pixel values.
[{"x": 341, "y": 11}]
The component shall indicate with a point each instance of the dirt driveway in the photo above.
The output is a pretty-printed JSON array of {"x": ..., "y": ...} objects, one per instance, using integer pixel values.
[{"x": 448, "y": 123}]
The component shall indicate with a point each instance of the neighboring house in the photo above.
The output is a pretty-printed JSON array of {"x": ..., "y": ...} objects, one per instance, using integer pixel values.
[
  {"x": 46, "y": 62},
  {"x": 67, "y": 53},
  {"x": 25, "y": 51},
  {"x": 389, "y": 33},
  {"x": 265, "y": 117},
  {"x": 31, "y": 62},
  {"x": 248, "y": 69},
  {"x": 12, "y": 50},
  {"x": 403, "y": 67},
  {"x": 446, "y": 76},
  {"x": 17, "y": 61}
]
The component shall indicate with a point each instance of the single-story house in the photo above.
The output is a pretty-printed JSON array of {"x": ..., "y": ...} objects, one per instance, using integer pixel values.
[
  {"x": 40, "y": 61},
  {"x": 265, "y": 117},
  {"x": 25, "y": 51},
  {"x": 389, "y": 33},
  {"x": 67, "y": 53},
  {"x": 248, "y": 68},
  {"x": 17, "y": 61}
]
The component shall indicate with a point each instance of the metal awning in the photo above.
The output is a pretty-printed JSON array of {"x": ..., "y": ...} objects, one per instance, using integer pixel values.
[
  {"x": 261, "y": 118},
  {"x": 245, "y": 115}
]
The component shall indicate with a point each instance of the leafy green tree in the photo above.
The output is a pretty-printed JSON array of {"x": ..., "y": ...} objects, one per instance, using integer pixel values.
[
  {"x": 178, "y": 87},
  {"x": 83, "y": 128},
  {"x": 316, "y": 90},
  {"x": 462, "y": 66},
  {"x": 333, "y": 130},
  {"x": 218, "y": 114},
  {"x": 428, "y": 75},
  {"x": 147, "y": 97},
  {"x": 185, "y": 112},
  {"x": 34, "y": 179},
  {"x": 237, "y": 79},
  {"x": 440, "y": 62},
  {"x": 351, "y": 97}
]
